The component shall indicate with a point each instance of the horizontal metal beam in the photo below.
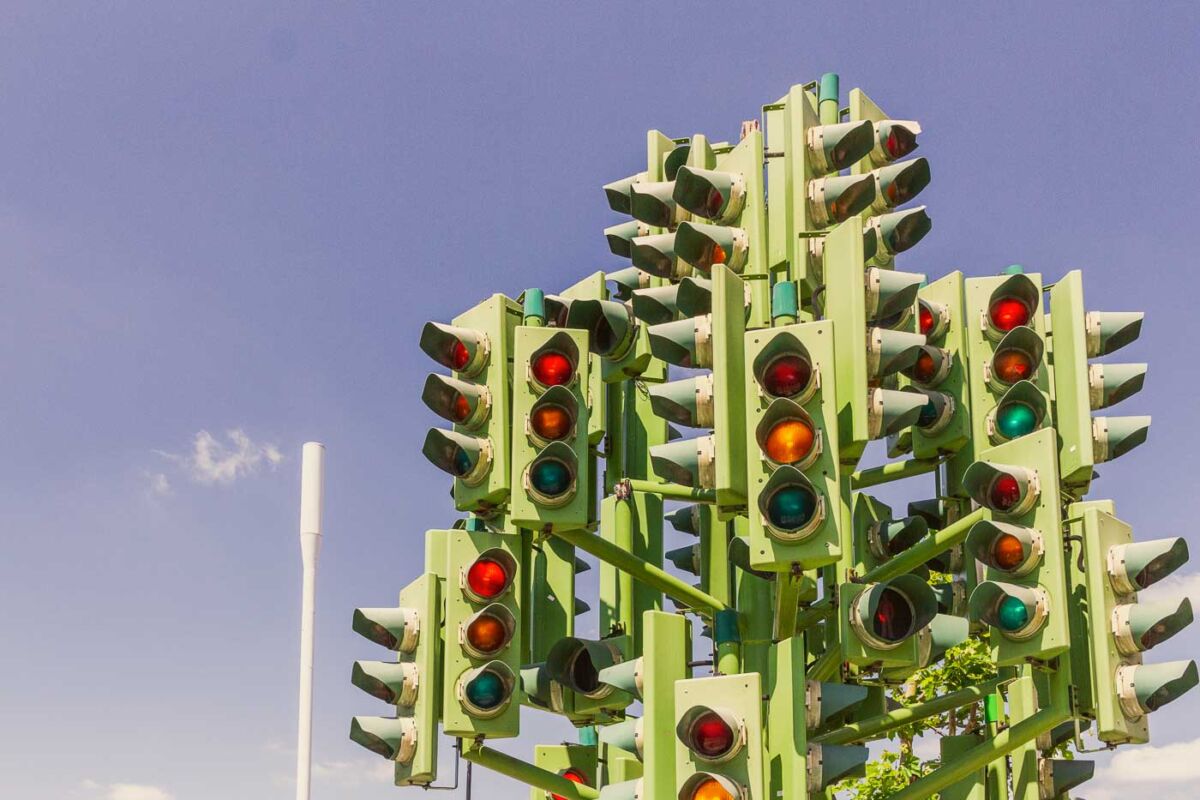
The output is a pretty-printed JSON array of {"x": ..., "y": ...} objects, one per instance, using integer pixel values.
[
  {"x": 896, "y": 470},
  {"x": 527, "y": 773},
  {"x": 670, "y": 491},
  {"x": 875, "y": 727},
  {"x": 640, "y": 569},
  {"x": 950, "y": 536}
]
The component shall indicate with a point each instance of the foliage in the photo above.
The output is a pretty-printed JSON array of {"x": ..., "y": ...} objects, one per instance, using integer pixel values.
[{"x": 886, "y": 775}]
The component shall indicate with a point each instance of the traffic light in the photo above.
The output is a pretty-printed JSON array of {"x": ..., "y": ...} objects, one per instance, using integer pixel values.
[
  {"x": 1024, "y": 597},
  {"x": 719, "y": 751},
  {"x": 1007, "y": 382},
  {"x": 550, "y": 464},
  {"x": 879, "y": 622},
  {"x": 794, "y": 475},
  {"x": 862, "y": 303},
  {"x": 482, "y": 663},
  {"x": 413, "y": 631},
  {"x": 878, "y": 536},
  {"x": 620, "y": 236},
  {"x": 896, "y": 182},
  {"x": 722, "y": 188},
  {"x": 1124, "y": 690},
  {"x": 1080, "y": 387},
  {"x": 940, "y": 370},
  {"x": 574, "y": 762},
  {"x": 613, "y": 334},
  {"x": 712, "y": 341},
  {"x": 576, "y": 664},
  {"x": 476, "y": 452}
]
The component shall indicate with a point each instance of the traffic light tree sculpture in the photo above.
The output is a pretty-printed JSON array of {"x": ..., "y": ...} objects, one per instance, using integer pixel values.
[{"x": 728, "y": 376}]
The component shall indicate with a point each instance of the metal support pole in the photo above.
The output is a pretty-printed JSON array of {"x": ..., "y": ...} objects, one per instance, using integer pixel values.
[
  {"x": 950, "y": 536},
  {"x": 312, "y": 503},
  {"x": 728, "y": 641},
  {"x": 623, "y": 528},
  {"x": 827, "y": 665},
  {"x": 640, "y": 569},
  {"x": 977, "y": 757},
  {"x": 814, "y": 613},
  {"x": 525, "y": 772},
  {"x": 669, "y": 491},
  {"x": 874, "y": 727},
  {"x": 894, "y": 471}
]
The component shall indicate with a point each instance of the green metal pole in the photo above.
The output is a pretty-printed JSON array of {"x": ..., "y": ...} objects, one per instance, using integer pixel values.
[
  {"x": 894, "y": 471},
  {"x": 614, "y": 439},
  {"x": 728, "y": 641},
  {"x": 623, "y": 525},
  {"x": 640, "y": 570},
  {"x": 827, "y": 98},
  {"x": 950, "y": 536},
  {"x": 815, "y": 613},
  {"x": 874, "y": 727},
  {"x": 827, "y": 665},
  {"x": 671, "y": 491},
  {"x": 997, "y": 782},
  {"x": 527, "y": 773},
  {"x": 977, "y": 757}
]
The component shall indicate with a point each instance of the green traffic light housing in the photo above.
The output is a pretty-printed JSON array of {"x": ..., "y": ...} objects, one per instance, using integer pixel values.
[
  {"x": 685, "y": 402},
  {"x": 610, "y": 326},
  {"x": 627, "y": 676},
  {"x": 686, "y": 519},
  {"x": 1057, "y": 776},
  {"x": 1017, "y": 612},
  {"x": 898, "y": 183},
  {"x": 551, "y": 478},
  {"x": 889, "y": 293},
  {"x": 1113, "y": 437},
  {"x": 695, "y": 296},
  {"x": 890, "y": 537},
  {"x": 619, "y": 193},
  {"x": 461, "y": 349},
  {"x": 1109, "y": 331},
  {"x": 1139, "y": 565},
  {"x": 656, "y": 305},
  {"x": 828, "y": 764},
  {"x": 686, "y": 558},
  {"x": 656, "y": 254},
  {"x": 1137, "y": 627},
  {"x": 704, "y": 246},
  {"x": 620, "y": 237},
  {"x": 711, "y": 194},
  {"x": 899, "y": 231},
  {"x": 628, "y": 735},
  {"x": 891, "y": 410},
  {"x": 1013, "y": 549},
  {"x": 937, "y": 412},
  {"x": 468, "y": 458},
  {"x": 653, "y": 204},
  {"x": 837, "y": 147},
  {"x": 1145, "y": 688},
  {"x": 627, "y": 281},
  {"x": 1109, "y": 384},
  {"x": 396, "y": 629},
  {"x": 840, "y": 197},
  {"x": 463, "y": 403},
  {"x": 577, "y": 663},
  {"x": 393, "y": 738},
  {"x": 890, "y": 612},
  {"x": 684, "y": 342},
  {"x": 893, "y": 139},
  {"x": 688, "y": 462},
  {"x": 1003, "y": 488},
  {"x": 676, "y": 159},
  {"x": 889, "y": 352},
  {"x": 395, "y": 683}
]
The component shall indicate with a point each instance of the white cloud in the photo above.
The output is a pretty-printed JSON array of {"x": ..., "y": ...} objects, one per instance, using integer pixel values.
[
  {"x": 157, "y": 484},
  {"x": 127, "y": 791},
  {"x": 1169, "y": 763},
  {"x": 1175, "y": 588},
  {"x": 212, "y": 461},
  {"x": 353, "y": 773}
]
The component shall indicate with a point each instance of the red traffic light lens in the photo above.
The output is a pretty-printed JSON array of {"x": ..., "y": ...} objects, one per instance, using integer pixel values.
[
  {"x": 487, "y": 634},
  {"x": 1007, "y": 313},
  {"x": 487, "y": 578},
  {"x": 925, "y": 316},
  {"x": 925, "y": 369},
  {"x": 550, "y": 422},
  {"x": 713, "y": 203},
  {"x": 459, "y": 355},
  {"x": 460, "y": 409},
  {"x": 710, "y": 736},
  {"x": 552, "y": 369},
  {"x": 1013, "y": 365},
  {"x": 789, "y": 441},
  {"x": 1007, "y": 551},
  {"x": 787, "y": 376},
  {"x": 893, "y": 620},
  {"x": 1004, "y": 493},
  {"x": 574, "y": 776}
]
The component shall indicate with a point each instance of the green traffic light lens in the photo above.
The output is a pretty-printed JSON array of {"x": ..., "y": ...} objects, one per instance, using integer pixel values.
[
  {"x": 791, "y": 507},
  {"x": 1012, "y": 614},
  {"x": 929, "y": 414},
  {"x": 550, "y": 477},
  {"x": 485, "y": 691},
  {"x": 1016, "y": 419},
  {"x": 462, "y": 462}
]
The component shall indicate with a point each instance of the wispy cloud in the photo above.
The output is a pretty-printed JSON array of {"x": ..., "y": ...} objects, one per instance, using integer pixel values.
[
  {"x": 127, "y": 791},
  {"x": 215, "y": 462},
  {"x": 1165, "y": 772},
  {"x": 157, "y": 484},
  {"x": 1175, "y": 588}
]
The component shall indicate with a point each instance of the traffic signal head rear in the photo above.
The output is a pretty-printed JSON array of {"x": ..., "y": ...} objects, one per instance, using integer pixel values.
[
  {"x": 393, "y": 738},
  {"x": 653, "y": 204},
  {"x": 899, "y": 231},
  {"x": 610, "y": 326},
  {"x": 704, "y": 246},
  {"x": 711, "y": 194},
  {"x": 837, "y": 198},
  {"x": 836, "y": 147}
]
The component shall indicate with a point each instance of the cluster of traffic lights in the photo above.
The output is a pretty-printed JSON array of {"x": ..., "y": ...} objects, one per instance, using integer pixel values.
[{"x": 486, "y": 634}]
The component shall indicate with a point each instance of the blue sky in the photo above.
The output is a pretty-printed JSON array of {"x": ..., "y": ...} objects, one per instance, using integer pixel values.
[{"x": 222, "y": 226}]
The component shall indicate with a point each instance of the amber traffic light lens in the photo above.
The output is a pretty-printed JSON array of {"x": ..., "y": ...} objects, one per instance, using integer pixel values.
[
  {"x": 550, "y": 422},
  {"x": 1007, "y": 551},
  {"x": 487, "y": 634},
  {"x": 710, "y": 790},
  {"x": 1013, "y": 365},
  {"x": 789, "y": 441}
]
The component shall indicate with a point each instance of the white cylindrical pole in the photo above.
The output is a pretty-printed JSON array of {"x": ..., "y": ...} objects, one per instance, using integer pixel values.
[{"x": 312, "y": 501}]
